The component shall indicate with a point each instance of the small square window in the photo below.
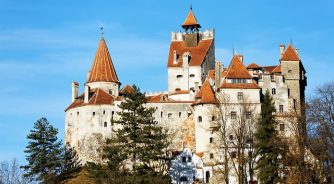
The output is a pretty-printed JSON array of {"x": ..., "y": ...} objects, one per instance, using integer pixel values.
[
  {"x": 211, "y": 155},
  {"x": 240, "y": 95},
  {"x": 231, "y": 137},
  {"x": 233, "y": 115},
  {"x": 281, "y": 127},
  {"x": 233, "y": 154},
  {"x": 189, "y": 159},
  {"x": 170, "y": 115},
  {"x": 184, "y": 159},
  {"x": 248, "y": 115},
  {"x": 281, "y": 108}
]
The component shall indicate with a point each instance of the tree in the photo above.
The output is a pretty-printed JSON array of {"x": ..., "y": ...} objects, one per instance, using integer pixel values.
[
  {"x": 268, "y": 145},
  {"x": 10, "y": 173},
  {"x": 43, "y": 153},
  {"x": 320, "y": 118},
  {"x": 139, "y": 145},
  {"x": 48, "y": 161},
  {"x": 70, "y": 165}
]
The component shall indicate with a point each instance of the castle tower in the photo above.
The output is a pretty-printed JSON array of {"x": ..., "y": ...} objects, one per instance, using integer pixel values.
[
  {"x": 191, "y": 56},
  {"x": 102, "y": 73},
  {"x": 294, "y": 75}
]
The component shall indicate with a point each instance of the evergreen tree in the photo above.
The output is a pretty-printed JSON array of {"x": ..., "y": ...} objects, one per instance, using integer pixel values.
[
  {"x": 268, "y": 144},
  {"x": 139, "y": 142},
  {"x": 43, "y": 153},
  {"x": 70, "y": 165}
]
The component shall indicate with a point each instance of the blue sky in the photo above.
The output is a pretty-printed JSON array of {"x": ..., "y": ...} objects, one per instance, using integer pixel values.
[{"x": 45, "y": 45}]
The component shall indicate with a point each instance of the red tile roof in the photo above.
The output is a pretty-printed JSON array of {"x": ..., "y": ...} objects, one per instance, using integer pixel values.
[
  {"x": 197, "y": 53},
  {"x": 252, "y": 85},
  {"x": 290, "y": 54},
  {"x": 97, "y": 97},
  {"x": 277, "y": 69},
  {"x": 211, "y": 74},
  {"x": 180, "y": 92},
  {"x": 190, "y": 20},
  {"x": 102, "y": 69},
  {"x": 269, "y": 69},
  {"x": 237, "y": 70},
  {"x": 207, "y": 94},
  {"x": 126, "y": 89},
  {"x": 253, "y": 66}
]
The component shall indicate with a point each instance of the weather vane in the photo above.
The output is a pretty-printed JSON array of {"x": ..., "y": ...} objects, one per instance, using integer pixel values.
[
  {"x": 191, "y": 6},
  {"x": 102, "y": 33}
]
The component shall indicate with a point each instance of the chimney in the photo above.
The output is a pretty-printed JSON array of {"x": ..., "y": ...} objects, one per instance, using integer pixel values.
[
  {"x": 87, "y": 91},
  {"x": 281, "y": 49},
  {"x": 241, "y": 57},
  {"x": 175, "y": 58},
  {"x": 75, "y": 86},
  {"x": 88, "y": 74},
  {"x": 218, "y": 73}
]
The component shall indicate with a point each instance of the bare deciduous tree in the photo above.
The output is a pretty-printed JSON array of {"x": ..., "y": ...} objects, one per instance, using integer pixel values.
[{"x": 10, "y": 173}]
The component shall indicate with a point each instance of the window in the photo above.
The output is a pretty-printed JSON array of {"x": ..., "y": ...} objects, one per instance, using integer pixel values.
[
  {"x": 189, "y": 159},
  {"x": 192, "y": 75},
  {"x": 273, "y": 91},
  {"x": 211, "y": 155},
  {"x": 211, "y": 139},
  {"x": 233, "y": 115},
  {"x": 248, "y": 115},
  {"x": 280, "y": 108},
  {"x": 231, "y": 137},
  {"x": 104, "y": 112},
  {"x": 180, "y": 114},
  {"x": 199, "y": 119},
  {"x": 93, "y": 113},
  {"x": 240, "y": 95},
  {"x": 179, "y": 76},
  {"x": 161, "y": 113},
  {"x": 183, "y": 178},
  {"x": 105, "y": 124},
  {"x": 111, "y": 92},
  {"x": 213, "y": 118},
  {"x": 177, "y": 89},
  {"x": 170, "y": 115},
  {"x": 294, "y": 104},
  {"x": 112, "y": 115},
  {"x": 281, "y": 127},
  {"x": 77, "y": 113},
  {"x": 234, "y": 154},
  {"x": 184, "y": 159}
]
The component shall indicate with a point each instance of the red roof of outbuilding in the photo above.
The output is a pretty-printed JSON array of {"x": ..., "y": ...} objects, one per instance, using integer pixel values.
[
  {"x": 252, "y": 85},
  {"x": 102, "y": 69},
  {"x": 253, "y": 66},
  {"x": 206, "y": 94}
]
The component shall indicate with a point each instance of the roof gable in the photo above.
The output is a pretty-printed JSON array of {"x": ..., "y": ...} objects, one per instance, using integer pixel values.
[
  {"x": 102, "y": 69},
  {"x": 290, "y": 54},
  {"x": 237, "y": 70},
  {"x": 206, "y": 94}
]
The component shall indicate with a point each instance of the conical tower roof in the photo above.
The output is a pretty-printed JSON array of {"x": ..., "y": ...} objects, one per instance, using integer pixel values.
[
  {"x": 237, "y": 70},
  {"x": 191, "y": 21},
  {"x": 102, "y": 69}
]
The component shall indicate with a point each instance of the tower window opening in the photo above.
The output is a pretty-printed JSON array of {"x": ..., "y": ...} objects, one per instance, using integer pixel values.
[
  {"x": 161, "y": 114},
  {"x": 184, "y": 159},
  {"x": 199, "y": 119},
  {"x": 170, "y": 115},
  {"x": 105, "y": 124},
  {"x": 189, "y": 159},
  {"x": 281, "y": 108},
  {"x": 192, "y": 75},
  {"x": 111, "y": 92},
  {"x": 240, "y": 95},
  {"x": 180, "y": 114},
  {"x": 273, "y": 91},
  {"x": 211, "y": 139},
  {"x": 93, "y": 113},
  {"x": 177, "y": 89},
  {"x": 213, "y": 118},
  {"x": 104, "y": 112},
  {"x": 211, "y": 155},
  {"x": 281, "y": 127},
  {"x": 179, "y": 76},
  {"x": 233, "y": 115}
]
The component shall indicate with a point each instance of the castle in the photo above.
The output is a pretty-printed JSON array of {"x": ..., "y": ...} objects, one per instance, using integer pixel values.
[{"x": 202, "y": 93}]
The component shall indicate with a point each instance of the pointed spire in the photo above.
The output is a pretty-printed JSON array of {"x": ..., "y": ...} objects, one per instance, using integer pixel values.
[
  {"x": 102, "y": 69},
  {"x": 206, "y": 94},
  {"x": 191, "y": 21},
  {"x": 290, "y": 54}
]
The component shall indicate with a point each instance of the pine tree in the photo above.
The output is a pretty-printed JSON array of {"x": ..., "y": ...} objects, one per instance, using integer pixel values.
[
  {"x": 70, "y": 164},
  {"x": 268, "y": 144},
  {"x": 140, "y": 142},
  {"x": 43, "y": 153}
]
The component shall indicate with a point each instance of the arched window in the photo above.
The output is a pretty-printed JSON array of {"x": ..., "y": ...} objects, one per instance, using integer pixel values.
[
  {"x": 273, "y": 91},
  {"x": 199, "y": 119},
  {"x": 177, "y": 89}
]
